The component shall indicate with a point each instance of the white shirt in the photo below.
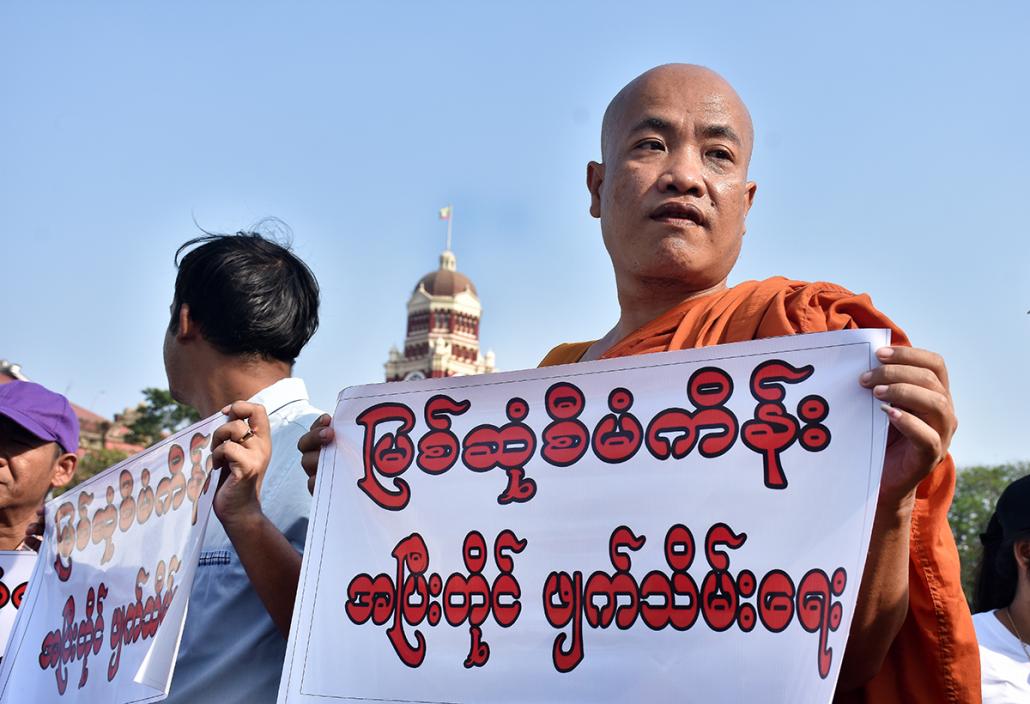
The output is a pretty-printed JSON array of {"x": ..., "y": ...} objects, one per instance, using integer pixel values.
[
  {"x": 1004, "y": 665},
  {"x": 231, "y": 650}
]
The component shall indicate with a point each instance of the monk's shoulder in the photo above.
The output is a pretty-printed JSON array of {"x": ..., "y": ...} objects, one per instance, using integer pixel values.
[
  {"x": 565, "y": 353},
  {"x": 814, "y": 306},
  {"x": 809, "y": 292}
]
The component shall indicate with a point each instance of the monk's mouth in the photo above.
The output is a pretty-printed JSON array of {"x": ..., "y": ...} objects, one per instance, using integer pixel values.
[{"x": 678, "y": 213}]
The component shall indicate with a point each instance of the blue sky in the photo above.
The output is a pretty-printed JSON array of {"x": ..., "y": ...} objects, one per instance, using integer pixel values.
[{"x": 891, "y": 158}]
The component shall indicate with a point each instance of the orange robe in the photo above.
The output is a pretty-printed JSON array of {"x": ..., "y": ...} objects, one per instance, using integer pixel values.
[{"x": 934, "y": 658}]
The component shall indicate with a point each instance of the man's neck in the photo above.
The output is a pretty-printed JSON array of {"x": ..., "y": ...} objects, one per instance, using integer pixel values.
[
  {"x": 231, "y": 379},
  {"x": 13, "y": 522},
  {"x": 640, "y": 302},
  {"x": 1019, "y": 611}
]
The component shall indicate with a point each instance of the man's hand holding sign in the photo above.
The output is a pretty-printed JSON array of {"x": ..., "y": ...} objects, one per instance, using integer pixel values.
[{"x": 242, "y": 448}]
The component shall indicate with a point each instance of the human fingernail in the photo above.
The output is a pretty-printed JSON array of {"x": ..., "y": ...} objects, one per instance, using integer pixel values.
[
  {"x": 892, "y": 412},
  {"x": 880, "y": 390},
  {"x": 885, "y": 352},
  {"x": 323, "y": 434},
  {"x": 225, "y": 411},
  {"x": 866, "y": 377}
]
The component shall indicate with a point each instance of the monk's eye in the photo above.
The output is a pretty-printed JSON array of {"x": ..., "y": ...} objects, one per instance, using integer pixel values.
[
  {"x": 721, "y": 154},
  {"x": 651, "y": 145}
]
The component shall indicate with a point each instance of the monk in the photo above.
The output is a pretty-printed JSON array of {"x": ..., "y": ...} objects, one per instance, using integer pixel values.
[{"x": 672, "y": 194}]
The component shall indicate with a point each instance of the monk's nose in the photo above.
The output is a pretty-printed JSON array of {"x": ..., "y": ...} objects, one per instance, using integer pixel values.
[{"x": 682, "y": 175}]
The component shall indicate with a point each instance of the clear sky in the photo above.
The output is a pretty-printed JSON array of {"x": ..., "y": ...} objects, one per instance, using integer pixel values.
[{"x": 891, "y": 157}]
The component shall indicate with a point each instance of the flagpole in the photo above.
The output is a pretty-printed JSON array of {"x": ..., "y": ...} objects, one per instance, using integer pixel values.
[{"x": 450, "y": 222}]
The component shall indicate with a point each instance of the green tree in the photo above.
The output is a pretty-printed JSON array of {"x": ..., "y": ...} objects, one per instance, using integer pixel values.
[
  {"x": 91, "y": 463},
  {"x": 157, "y": 416},
  {"x": 976, "y": 491}
]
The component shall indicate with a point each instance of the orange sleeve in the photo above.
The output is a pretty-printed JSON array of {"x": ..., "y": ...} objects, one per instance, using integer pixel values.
[
  {"x": 565, "y": 353},
  {"x": 935, "y": 657},
  {"x": 820, "y": 307}
]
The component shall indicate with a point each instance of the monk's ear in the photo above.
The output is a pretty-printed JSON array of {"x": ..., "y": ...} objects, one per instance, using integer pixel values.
[
  {"x": 595, "y": 176},
  {"x": 749, "y": 198}
]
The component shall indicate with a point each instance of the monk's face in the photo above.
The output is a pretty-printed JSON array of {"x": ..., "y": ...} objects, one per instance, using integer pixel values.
[{"x": 672, "y": 193}]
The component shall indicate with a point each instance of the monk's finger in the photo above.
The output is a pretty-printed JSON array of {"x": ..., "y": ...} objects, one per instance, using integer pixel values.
[
  {"x": 933, "y": 408},
  {"x": 311, "y": 484},
  {"x": 915, "y": 357},
  {"x": 929, "y": 446},
  {"x": 903, "y": 374}
]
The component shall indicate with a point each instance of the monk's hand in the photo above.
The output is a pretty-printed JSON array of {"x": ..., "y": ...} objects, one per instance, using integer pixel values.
[
  {"x": 241, "y": 448},
  {"x": 311, "y": 444},
  {"x": 913, "y": 386}
]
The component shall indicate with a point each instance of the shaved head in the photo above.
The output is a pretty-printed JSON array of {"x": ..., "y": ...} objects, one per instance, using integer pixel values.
[
  {"x": 675, "y": 77},
  {"x": 672, "y": 190}
]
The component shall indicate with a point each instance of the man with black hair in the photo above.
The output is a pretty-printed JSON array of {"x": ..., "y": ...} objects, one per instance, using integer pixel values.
[{"x": 244, "y": 307}]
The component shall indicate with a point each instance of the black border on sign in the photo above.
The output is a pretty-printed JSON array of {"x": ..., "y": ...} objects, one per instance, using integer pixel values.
[{"x": 562, "y": 372}]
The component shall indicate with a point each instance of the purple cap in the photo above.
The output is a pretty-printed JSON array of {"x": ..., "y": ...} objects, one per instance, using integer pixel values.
[{"x": 40, "y": 411}]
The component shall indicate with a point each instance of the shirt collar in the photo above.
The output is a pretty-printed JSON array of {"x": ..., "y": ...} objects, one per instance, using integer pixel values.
[{"x": 281, "y": 393}]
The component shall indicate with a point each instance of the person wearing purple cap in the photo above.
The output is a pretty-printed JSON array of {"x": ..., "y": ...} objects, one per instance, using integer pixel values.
[
  {"x": 39, "y": 435},
  {"x": 1001, "y": 598}
]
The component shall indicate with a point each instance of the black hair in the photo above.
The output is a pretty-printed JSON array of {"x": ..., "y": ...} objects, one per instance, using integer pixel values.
[
  {"x": 248, "y": 294},
  {"x": 998, "y": 572}
]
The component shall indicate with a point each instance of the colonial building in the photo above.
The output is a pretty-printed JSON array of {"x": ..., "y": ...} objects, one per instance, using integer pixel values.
[
  {"x": 443, "y": 328},
  {"x": 95, "y": 431}
]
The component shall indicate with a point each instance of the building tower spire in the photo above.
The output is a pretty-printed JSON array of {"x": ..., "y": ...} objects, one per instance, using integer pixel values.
[{"x": 443, "y": 325}]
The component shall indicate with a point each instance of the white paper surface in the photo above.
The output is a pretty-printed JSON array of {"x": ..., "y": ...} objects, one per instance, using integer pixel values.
[
  {"x": 15, "y": 568},
  {"x": 104, "y": 611},
  {"x": 808, "y": 524}
]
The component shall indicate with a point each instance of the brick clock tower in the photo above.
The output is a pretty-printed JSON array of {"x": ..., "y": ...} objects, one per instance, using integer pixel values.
[{"x": 443, "y": 328}]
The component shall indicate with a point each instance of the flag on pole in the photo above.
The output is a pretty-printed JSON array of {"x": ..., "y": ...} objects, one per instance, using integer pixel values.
[{"x": 445, "y": 213}]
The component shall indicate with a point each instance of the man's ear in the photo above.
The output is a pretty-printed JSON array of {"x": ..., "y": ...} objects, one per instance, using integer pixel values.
[
  {"x": 595, "y": 176},
  {"x": 749, "y": 199},
  {"x": 64, "y": 469},
  {"x": 187, "y": 328}
]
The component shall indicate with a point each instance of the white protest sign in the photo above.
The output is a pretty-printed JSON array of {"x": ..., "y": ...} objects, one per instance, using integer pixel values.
[
  {"x": 15, "y": 568},
  {"x": 680, "y": 526},
  {"x": 102, "y": 619}
]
